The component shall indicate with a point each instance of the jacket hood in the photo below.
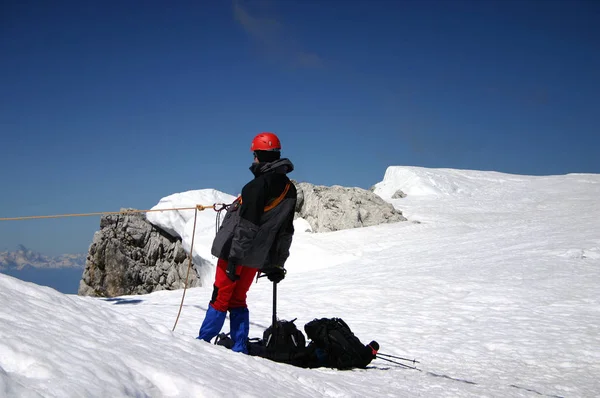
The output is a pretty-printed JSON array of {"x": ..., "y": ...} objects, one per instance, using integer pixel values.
[{"x": 283, "y": 166}]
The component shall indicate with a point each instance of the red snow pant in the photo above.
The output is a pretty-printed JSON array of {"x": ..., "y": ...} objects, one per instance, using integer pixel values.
[{"x": 229, "y": 294}]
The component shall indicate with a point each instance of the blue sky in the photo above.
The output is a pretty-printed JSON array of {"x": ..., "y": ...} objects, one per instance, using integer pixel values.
[{"x": 111, "y": 104}]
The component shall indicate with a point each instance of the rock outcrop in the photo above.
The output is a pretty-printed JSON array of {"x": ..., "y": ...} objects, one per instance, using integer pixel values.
[
  {"x": 335, "y": 208},
  {"x": 129, "y": 255},
  {"x": 399, "y": 194}
]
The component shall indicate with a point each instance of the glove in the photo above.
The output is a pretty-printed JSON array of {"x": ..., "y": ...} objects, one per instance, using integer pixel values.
[
  {"x": 231, "y": 268},
  {"x": 275, "y": 274}
]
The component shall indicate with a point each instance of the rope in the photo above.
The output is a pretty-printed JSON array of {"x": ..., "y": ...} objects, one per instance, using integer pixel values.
[
  {"x": 188, "y": 270},
  {"x": 218, "y": 208},
  {"x": 123, "y": 212}
]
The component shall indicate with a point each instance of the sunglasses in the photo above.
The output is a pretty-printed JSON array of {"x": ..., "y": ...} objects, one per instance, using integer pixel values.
[{"x": 272, "y": 150}]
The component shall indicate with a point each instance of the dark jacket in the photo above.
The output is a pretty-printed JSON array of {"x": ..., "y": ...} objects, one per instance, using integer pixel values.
[{"x": 252, "y": 233}]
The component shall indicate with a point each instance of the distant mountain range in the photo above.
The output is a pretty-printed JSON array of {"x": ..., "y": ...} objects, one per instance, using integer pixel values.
[{"x": 23, "y": 257}]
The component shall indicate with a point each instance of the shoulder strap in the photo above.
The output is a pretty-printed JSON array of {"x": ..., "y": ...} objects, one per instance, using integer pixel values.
[{"x": 276, "y": 201}]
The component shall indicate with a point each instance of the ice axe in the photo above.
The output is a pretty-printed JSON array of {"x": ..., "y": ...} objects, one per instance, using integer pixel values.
[
  {"x": 274, "y": 306},
  {"x": 274, "y": 320}
]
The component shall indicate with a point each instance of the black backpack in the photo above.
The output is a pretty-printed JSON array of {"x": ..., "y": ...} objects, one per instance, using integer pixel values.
[
  {"x": 334, "y": 345},
  {"x": 282, "y": 342}
]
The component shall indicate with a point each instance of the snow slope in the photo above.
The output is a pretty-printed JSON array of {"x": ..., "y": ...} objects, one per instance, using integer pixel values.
[{"x": 493, "y": 285}]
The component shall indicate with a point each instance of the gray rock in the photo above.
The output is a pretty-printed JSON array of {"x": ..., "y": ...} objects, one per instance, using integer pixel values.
[
  {"x": 335, "y": 208},
  {"x": 398, "y": 194},
  {"x": 129, "y": 255},
  {"x": 299, "y": 196}
]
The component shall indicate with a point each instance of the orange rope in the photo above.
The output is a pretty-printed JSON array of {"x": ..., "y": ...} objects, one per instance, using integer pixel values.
[{"x": 123, "y": 212}]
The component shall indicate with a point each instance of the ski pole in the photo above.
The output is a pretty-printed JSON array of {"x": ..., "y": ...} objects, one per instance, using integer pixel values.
[
  {"x": 395, "y": 357},
  {"x": 398, "y": 363}
]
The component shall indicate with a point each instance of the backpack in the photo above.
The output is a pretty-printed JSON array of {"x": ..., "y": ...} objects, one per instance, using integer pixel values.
[
  {"x": 334, "y": 345},
  {"x": 284, "y": 343}
]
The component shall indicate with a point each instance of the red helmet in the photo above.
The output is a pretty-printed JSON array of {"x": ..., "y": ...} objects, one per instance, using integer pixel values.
[{"x": 265, "y": 142}]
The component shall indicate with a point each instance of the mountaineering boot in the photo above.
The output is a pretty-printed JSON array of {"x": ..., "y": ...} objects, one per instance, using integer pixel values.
[
  {"x": 239, "y": 325},
  {"x": 212, "y": 324}
]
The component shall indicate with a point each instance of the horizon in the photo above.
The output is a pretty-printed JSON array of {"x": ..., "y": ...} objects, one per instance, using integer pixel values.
[
  {"x": 21, "y": 246},
  {"x": 107, "y": 106}
]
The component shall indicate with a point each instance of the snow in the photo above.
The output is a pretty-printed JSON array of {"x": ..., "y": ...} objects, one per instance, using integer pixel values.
[
  {"x": 493, "y": 285},
  {"x": 181, "y": 223}
]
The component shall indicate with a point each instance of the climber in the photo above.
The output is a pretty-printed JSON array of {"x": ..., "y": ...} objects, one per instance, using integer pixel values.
[{"x": 256, "y": 234}]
